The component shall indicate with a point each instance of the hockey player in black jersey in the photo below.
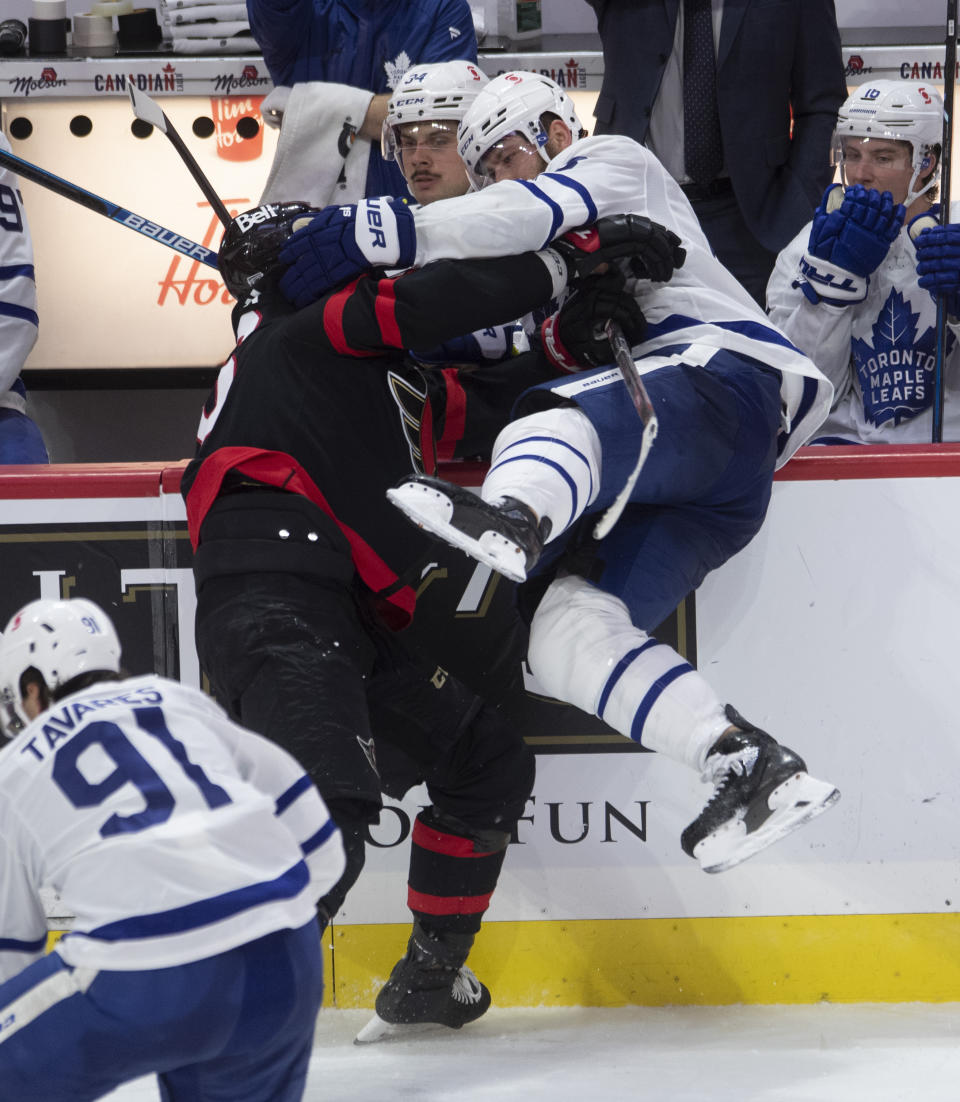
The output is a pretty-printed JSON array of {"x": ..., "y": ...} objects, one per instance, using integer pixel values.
[{"x": 303, "y": 570}]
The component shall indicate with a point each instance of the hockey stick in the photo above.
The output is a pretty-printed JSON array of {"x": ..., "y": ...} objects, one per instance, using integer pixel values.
[
  {"x": 641, "y": 400},
  {"x": 946, "y": 152},
  {"x": 113, "y": 211},
  {"x": 148, "y": 110}
]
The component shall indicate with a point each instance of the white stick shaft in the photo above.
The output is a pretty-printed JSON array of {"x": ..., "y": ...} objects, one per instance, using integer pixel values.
[{"x": 648, "y": 418}]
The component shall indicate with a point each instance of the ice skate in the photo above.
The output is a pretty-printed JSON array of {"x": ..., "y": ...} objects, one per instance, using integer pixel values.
[
  {"x": 763, "y": 792},
  {"x": 429, "y": 986},
  {"x": 506, "y": 537}
]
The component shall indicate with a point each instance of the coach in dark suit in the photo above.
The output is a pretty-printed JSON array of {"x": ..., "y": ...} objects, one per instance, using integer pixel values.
[{"x": 773, "y": 61}]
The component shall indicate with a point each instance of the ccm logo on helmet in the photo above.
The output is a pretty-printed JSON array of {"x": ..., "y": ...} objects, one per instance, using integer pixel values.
[{"x": 251, "y": 218}]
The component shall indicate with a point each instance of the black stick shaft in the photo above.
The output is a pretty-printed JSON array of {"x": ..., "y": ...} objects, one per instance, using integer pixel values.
[
  {"x": 198, "y": 174},
  {"x": 946, "y": 155}
]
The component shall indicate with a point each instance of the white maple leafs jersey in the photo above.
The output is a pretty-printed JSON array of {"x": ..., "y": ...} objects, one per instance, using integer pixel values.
[
  {"x": 880, "y": 354},
  {"x": 702, "y": 303},
  {"x": 170, "y": 833},
  {"x": 18, "y": 290}
]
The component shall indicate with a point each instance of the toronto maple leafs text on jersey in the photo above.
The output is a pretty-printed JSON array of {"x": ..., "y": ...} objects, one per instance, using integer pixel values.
[{"x": 880, "y": 353}]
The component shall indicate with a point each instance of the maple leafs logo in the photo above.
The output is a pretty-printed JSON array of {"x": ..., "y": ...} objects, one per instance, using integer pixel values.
[
  {"x": 896, "y": 368},
  {"x": 396, "y": 68}
]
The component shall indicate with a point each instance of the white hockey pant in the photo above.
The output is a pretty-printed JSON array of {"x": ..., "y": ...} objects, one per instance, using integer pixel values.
[
  {"x": 549, "y": 461},
  {"x": 584, "y": 650}
]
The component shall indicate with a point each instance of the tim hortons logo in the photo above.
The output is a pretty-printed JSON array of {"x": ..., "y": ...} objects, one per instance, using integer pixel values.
[{"x": 186, "y": 281}]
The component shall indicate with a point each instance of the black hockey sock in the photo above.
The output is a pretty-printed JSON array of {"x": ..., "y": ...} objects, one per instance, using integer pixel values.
[{"x": 452, "y": 875}]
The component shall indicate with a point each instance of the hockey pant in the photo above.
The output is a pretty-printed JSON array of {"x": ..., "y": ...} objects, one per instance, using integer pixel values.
[
  {"x": 237, "y": 1025},
  {"x": 700, "y": 498},
  {"x": 308, "y": 665}
]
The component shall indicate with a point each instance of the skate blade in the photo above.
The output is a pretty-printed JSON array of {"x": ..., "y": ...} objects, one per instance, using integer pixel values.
[
  {"x": 378, "y": 1030},
  {"x": 431, "y": 511},
  {"x": 795, "y": 802}
]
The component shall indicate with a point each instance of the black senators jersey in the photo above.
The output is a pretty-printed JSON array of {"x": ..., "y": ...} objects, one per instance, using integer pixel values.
[{"x": 323, "y": 401}]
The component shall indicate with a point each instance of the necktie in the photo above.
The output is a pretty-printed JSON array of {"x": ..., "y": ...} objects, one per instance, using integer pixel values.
[{"x": 703, "y": 152}]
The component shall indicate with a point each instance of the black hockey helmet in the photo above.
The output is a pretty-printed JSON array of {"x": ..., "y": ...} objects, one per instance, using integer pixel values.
[{"x": 252, "y": 242}]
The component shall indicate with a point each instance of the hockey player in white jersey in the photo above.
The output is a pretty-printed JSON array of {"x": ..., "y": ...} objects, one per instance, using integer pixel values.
[
  {"x": 191, "y": 853},
  {"x": 733, "y": 397},
  {"x": 851, "y": 288},
  {"x": 420, "y": 134},
  {"x": 20, "y": 439}
]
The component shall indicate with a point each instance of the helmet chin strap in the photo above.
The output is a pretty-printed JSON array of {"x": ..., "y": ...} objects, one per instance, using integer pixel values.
[{"x": 913, "y": 195}]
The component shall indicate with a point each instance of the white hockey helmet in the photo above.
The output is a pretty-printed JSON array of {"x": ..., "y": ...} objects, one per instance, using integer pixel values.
[
  {"x": 440, "y": 91},
  {"x": 59, "y": 639},
  {"x": 513, "y": 103},
  {"x": 897, "y": 110}
]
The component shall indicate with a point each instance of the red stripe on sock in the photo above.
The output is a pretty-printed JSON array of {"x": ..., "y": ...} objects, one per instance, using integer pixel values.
[
  {"x": 447, "y": 904},
  {"x": 451, "y": 845}
]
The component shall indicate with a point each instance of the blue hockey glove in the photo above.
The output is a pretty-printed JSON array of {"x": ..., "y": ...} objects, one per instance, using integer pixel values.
[
  {"x": 938, "y": 263},
  {"x": 851, "y": 234},
  {"x": 342, "y": 242}
]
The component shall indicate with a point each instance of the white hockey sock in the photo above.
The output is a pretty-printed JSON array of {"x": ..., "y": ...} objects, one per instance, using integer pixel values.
[
  {"x": 585, "y": 650},
  {"x": 549, "y": 461}
]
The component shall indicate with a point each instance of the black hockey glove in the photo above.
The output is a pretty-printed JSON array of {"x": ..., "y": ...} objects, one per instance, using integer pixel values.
[
  {"x": 650, "y": 250},
  {"x": 574, "y": 339}
]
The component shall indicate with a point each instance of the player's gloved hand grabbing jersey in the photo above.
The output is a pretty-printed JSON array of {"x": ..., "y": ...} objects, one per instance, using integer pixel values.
[
  {"x": 649, "y": 250},
  {"x": 851, "y": 234},
  {"x": 938, "y": 263},
  {"x": 342, "y": 242},
  {"x": 573, "y": 339}
]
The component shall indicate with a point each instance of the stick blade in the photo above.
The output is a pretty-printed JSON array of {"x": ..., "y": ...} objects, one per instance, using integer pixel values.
[{"x": 146, "y": 109}]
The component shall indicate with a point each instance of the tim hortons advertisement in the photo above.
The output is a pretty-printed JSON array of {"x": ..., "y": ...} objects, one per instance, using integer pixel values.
[{"x": 110, "y": 297}]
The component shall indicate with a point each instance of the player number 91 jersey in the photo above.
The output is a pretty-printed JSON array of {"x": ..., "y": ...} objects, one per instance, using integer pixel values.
[{"x": 169, "y": 833}]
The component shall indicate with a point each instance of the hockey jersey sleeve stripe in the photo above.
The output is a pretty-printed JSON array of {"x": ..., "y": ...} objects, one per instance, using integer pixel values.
[
  {"x": 455, "y": 418},
  {"x": 385, "y": 308},
  {"x": 556, "y": 210},
  {"x": 575, "y": 185},
  {"x": 316, "y": 841},
  {"x": 653, "y": 694},
  {"x": 618, "y": 671},
  {"x": 753, "y": 330},
  {"x": 12, "y": 310},
  {"x": 15, "y": 271},
  {"x": 333, "y": 311},
  {"x": 12, "y": 945},
  {"x": 285, "y": 799},
  {"x": 204, "y": 912}
]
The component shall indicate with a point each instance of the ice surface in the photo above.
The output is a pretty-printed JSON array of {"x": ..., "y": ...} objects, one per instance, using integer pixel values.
[{"x": 823, "y": 1053}]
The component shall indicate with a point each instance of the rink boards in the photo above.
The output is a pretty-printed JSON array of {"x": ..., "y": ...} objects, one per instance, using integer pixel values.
[{"x": 835, "y": 630}]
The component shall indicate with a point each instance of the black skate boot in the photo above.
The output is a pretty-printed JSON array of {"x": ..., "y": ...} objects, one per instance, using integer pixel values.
[
  {"x": 506, "y": 537},
  {"x": 430, "y": 985},
  {"x": 763, "y": 792}
]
